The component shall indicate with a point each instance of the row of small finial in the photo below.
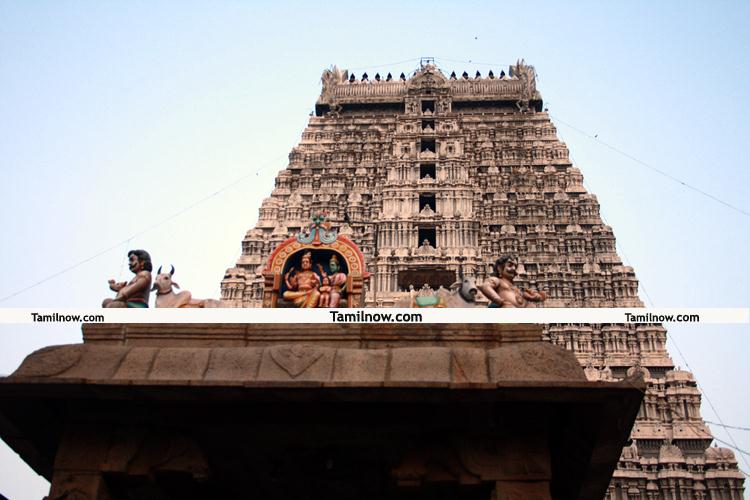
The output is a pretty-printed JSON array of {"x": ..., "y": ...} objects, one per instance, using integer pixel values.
[
  {"x": 365, "y": 78},
  {"x": 402, "y": 77},
  {"x": 465, "y": 75}
]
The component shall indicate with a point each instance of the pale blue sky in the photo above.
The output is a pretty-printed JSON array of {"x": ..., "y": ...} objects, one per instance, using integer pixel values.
[{"x": 114, "y": 116}]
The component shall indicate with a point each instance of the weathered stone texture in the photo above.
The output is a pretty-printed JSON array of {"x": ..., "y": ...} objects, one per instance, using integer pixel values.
[
  {"x": 296, "y": 364},
  {"x": 474, "y": 165}
]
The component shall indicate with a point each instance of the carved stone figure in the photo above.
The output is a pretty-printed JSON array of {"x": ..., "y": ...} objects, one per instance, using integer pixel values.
[
  {"x": 462, "y": 294},
  {"x": 167, "y": 297},
  {"x": 499, "y": 288},
  {"x": 134, "y": 293},
  {"x": 334, "y": 284},
  {"x": 425, "y": 248},
  {"x": 525, "y": 178},
  {"x": 302, "y": 286},
  {"x": 325, "y": 293},
  {"x": 332, "y": 77}
]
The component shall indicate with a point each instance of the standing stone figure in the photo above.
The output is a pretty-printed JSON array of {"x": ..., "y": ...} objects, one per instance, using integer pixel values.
[
  {"x": 499, "y": 288},
  {"x": 336, "y": 281},
  {"x": 135, "y": 293}
]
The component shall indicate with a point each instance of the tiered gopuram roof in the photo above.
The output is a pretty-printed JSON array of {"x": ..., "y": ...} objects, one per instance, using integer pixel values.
[{"x": 433, "y": 173}]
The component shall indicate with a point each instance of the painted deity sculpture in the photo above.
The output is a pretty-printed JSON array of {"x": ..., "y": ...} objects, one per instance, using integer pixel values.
[
  {"x": 135, "y": 293},
  {"x": 336, "y": 283},
  {"x": 499, "y": 288},
  {"x": 302, "y": 286},
  {"x": 325, "y": 292},
  {"x": 289, "y": 279},
  {"x": 164, "y": 287}
]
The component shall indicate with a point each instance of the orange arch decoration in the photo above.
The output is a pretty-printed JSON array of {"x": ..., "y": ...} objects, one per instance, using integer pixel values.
[
  {"x": 346, "y": 248},
  {"x": 318, "y": 240}
]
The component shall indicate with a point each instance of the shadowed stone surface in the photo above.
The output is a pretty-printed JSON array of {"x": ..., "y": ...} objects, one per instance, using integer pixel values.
[
  {"x": 475, "y": 165},
  {"x": 331, "y": 413}
]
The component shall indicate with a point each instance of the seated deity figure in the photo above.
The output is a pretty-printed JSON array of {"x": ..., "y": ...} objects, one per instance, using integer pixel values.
[
  {"x": 336, "y": 281},
  {"x": 302, "y": 286},
  {"x": 135, "y": 293},
  {"x": 426, "y": 248},
  {"x": 499, "y": 288}
]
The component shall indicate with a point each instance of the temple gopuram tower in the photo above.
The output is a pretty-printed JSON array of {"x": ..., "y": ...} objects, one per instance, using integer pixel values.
[{"x": 433, "y": 173}]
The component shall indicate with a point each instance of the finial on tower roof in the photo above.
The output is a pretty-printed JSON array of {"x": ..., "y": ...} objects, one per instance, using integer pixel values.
[
  {"x": 388, "y": 77},
  {"x": 402, "y": 76}
]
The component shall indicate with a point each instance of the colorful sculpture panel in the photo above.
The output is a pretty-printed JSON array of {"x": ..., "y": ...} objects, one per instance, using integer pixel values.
[{"x": 317, "y": 268}]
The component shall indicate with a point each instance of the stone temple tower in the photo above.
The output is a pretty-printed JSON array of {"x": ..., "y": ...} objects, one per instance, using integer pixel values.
[{"x": 433, "y": 173}]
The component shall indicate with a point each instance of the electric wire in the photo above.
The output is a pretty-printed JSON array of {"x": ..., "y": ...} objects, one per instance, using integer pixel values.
[
  {"x": 728, "y": 426},
  {"x": 696, "y": 428},
  {"x": 622, "y": 249},
  {"x": 202, "y": 200},
  {"x": 384, "y": 65},
  {"x": 708, "y": 400},
  {"x": 659, "y": 171},
  {"x": 143, "y": 231},
  {"x": 687, "y": 365},
  {"x": 734, "y": 447},
  {"x": 671, "y": 337},
  {"x": 436, "y": 59},
  {"x": 469, "y": 61}
]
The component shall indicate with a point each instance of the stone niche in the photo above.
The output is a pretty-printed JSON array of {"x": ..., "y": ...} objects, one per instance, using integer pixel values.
[{"x": 328, "y": 411}]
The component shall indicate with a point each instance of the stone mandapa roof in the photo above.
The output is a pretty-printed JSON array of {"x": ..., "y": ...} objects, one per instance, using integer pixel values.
[{"x": 291, "y": 365}]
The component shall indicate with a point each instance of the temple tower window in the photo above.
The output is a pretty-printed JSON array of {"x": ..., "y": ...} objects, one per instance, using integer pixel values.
[
  {"x": 426, "y": 169},
  {"x": 426, "y": 200},
  {"x": 427, "y": 145},
  {"x": 427, "y": 233}
]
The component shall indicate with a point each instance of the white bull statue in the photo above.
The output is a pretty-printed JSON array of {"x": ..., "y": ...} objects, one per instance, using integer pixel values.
[
  {"x": 167, "y": 297},
  {"x": 462, "y": 294}
]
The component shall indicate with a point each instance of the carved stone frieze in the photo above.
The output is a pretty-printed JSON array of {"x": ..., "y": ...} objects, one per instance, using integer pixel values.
[{"x": 474, "y": 166}]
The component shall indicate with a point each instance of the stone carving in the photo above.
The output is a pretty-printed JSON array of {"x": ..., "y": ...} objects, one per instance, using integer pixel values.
[
  {"x": 537, "y": 361},
  {"x": 332, "y": 77},
  {"x": 320, "y": 232},
  {"x": 341, "y": 285},
  {"x": 425, "y": 248},
  {"x": 499, "y": 288},
  {"x": 638, "y": 371},
  {"x": 509, "y": 187},
  {"x": 462, "y": 294},
  {"x": 334, "y": 284},
  {"x": 302, "y": 286},
  {"x": 134, "y": 293},
  {"x": 167, "y": 297},
  {"x": 295, "y": 359}
]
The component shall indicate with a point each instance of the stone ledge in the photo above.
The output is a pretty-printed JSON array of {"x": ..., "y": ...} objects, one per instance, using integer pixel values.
[
  {"x": 334, "y": 335},
  {"x": 296, "y": 364}
]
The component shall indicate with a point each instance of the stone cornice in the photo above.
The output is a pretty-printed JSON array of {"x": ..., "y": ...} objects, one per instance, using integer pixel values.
[{"x": 519, "y": 84}]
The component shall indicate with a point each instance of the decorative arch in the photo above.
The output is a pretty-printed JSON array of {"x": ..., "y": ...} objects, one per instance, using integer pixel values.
[{"x": 322, "y": 243}]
